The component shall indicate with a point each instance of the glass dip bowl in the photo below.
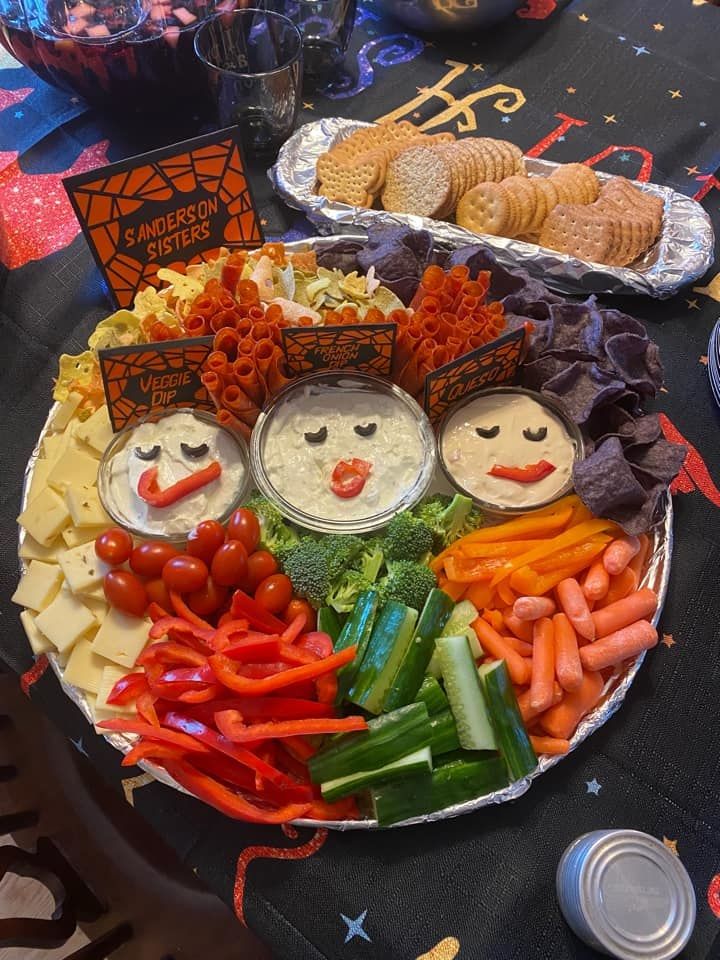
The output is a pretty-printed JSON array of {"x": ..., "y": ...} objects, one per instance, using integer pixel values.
[
  {"x": 180, "y": 444},
  {"x": 311, "y": 447},
  {"x": 509, "y": 427}
]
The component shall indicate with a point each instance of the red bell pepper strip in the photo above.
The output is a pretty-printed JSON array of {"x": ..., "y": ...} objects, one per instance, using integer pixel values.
[
  {"x": 258, "y": 648},
  {"x": 243, "y": 606},
  {"x": 211, "y": 739},
  {"x": 297, "y": 655},
  {"x": 265, "y": 708},
  {"x": 149, "y": 750},
  {"x": 349, "y": 476},
  {"x": 205, "y": 695},
  {"x": 316, "y": 642},
  {"x": 170, "y": 652},
  {"x": 294, "y": 629},
  {"x": 156, "y": 612},
  {"x": 190, "y": 676},
  {"x": 227, "y": 801},
  {"x": 128, "y": 688},
  {"x": 231, "y": 631},
  {"x": 184, "y": 611},
  {"x": 299, "y": 748},
  {"x": 145, "y": 709},
  {"x": 149, "y": 491},
  {"x": 530, "y": 473},
  {"x": 288, "y": 761},
  {"x": 345, "y": 809},
  {"x": 326, "y": 688},
  {"x": 226, "y": 673},
  {"x": 223, "y": 768},
  {"x": 161, "y": 734},
  {"x": 230, "y": 724},
  {"x": 185, "y": 632}
]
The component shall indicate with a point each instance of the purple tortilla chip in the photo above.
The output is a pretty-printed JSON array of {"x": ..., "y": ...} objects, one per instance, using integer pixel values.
[
  {"x": 576, "y": 332},
  {"x": 341, "y": 256},
  {"x": 535, "y": 374},
  {"x": 660, "y": 460},
  {"x": 399, "y": 256},
  {"x": 605, "y": 482},
  {"x": 642, "y": 431},
  {"x": 609, "y": 420},
  {"x": 503, "y": 282},
  {"x": 636, "y": 359},
  {"x": 581, "y": 387},
  {"x": 615, "y": 322}
]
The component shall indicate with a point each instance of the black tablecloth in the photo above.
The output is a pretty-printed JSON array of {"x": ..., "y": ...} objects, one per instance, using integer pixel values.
[{"x": 636, "y": 87}]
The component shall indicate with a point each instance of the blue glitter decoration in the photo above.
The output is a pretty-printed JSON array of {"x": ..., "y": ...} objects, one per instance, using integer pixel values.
[{"x": 386, "y": 51}]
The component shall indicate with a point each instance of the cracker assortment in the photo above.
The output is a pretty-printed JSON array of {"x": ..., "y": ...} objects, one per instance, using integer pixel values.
[{"x": 483, "y": 184}]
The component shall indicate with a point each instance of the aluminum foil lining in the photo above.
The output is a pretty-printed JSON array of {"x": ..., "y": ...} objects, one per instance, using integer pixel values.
[
  {"x": 656, "y": 576},
  {"x": 683, "y": 252}
]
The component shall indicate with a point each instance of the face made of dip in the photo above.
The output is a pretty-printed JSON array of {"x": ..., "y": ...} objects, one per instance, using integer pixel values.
[
  {"x": 178, "y": 446},
  {"x": 508, "y": 431},
  {"x": 342, "y": 454}
]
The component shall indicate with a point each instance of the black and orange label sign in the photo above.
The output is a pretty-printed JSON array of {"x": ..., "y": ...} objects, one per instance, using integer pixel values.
[
  {"x": 487, "y": 366},
  {"x": 149, "y": 377},
  {"x": 163, "y": 209},
  {"x": 363, "y": 347}
]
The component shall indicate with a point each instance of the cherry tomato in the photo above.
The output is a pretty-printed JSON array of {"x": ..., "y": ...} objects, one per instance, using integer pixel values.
[
  {"x": 204, "y": 540},
  {"x": 297, "y": 606},
  {"x": 148, "y": 559},
  {"x": 229, "y": 565},
  {"x": 185, "y": 574},
  {"x": 125, "y": 592},
  {"x": 158, "y": 593},
  {"x": 114, "y": 546},
  {"x": 274, "y": 593},
  {"x": 349, "y": 476},
  {"x": 207, "y": 599},
  {"x": 245, "y": 527},
  {"x": 260, "y": 565}
]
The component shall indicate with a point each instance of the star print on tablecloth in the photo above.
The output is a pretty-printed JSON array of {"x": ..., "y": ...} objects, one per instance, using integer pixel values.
[
  {"x": 692, "y": 171},
  {"x": 79, "y": 746},
  {"x": 621, "y": 38},
  {"x": 639, "y": 51},
  {"x": 505, "y": 120},
  {"x": 675, "y": 94},
  {"x": 658, "y": 26},
  {"x": 671, "y": 845},
  {"x": 667, "y": 640},
  {"x": 355, "y": 927},
  {"x": 19, "y": 114},
  {"x": 610, "y": 118},
  {"x": 571, "y": 89},
  {"x": 692, "y": 304},
  {"x": 625, "y": 158},
  {"x": 702, "y": 123},
  {"x": 593, "y": 787},
  {"x": 263, "y": 222},
  {"x": 308, "y": 106},
  {"x": 583, "y": 17},
  {"x": 131, "y": 784},
  {"x": 704, "y": 360},
  {"x": 478, "y": 66}
]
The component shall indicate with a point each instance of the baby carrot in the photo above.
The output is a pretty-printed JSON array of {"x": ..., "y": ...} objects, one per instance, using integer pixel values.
[
  {"x": 522, "y": 629},
  {"x": 619, "y": 554},
  {"x": 494, "y": 618},
  {"x": 637, "y": 564},
  {"x": 640, "y": 605},
  {"x": 550, "y": 746},
  {"x": 519, "y": 646},
  {"x": 568, "y": 668},
  {"x": 620, "y": 586},
  {"x": 506, "y": 593},
  {"x": 596, "y": 582},
  {"x": 561, "y": 720},
  {"x": 543, "y": 665},
  {"x": 574, "y": 604},
  {"x": 618, "y": 646},
  {"x": 527, "y": 712},
  {"x": 493, "y": 643},
  {"x": 532, "y": 608}
]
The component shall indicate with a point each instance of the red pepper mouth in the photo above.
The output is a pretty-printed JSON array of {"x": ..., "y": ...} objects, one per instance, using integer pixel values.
[
  {"x": 530, "y": 473},
  {"x": 149, "y": 490},
  {"x": 349, "y": 477}
]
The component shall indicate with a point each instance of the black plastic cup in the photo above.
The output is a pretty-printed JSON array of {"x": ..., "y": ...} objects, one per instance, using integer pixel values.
[
  {"x": 326, "y": 27},
  {"x": 254, "y": 63}
]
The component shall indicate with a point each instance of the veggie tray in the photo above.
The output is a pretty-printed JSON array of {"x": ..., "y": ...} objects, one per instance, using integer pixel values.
[
  {"x": 386, "y": 620},
  {"x": 682, "y": 252}
]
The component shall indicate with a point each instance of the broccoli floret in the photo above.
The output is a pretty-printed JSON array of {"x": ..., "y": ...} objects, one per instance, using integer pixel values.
[
  {"x": 449, "y": 518},
  {"x": 307, "y": 566},
  {"x": 341, "y": 550},
  {"x": 408, "y": 582},
  {"x": 275, "y": 534},
  {"x": 407, "y": 538},
  {"x": 360, "y": 576}
]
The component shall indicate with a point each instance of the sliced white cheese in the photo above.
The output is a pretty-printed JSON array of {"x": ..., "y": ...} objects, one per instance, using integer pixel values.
[
  {"x": 74, "y": 536},
  {"x": 55, "y": 444},
  {"x": 122, "y": 638},
  {"x": 73, "y": 468},
  {"x": 110, "y": 676},
  {"x": 84, "y": 667},
  {"x": 83, "y": 569},
  {"x": 38, "y": 481},
  {"x": 32, "y": 550},
  {"x": 45, "y": 517},
  {"x": 96, "y": 605},
  {"x": 39, "y": 586},
  {"x": 96, "y": 431},
  {"x": 92, "y": 593},
  {"x": 85, "y": 507},
  {"x": 64, "y": 413},
  {"x": 65, "y": 621},
  {"x": 38, "y": 642}
]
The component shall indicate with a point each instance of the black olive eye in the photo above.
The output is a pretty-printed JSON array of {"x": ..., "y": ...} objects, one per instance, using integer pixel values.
[
  {"x": 194, "y": 452},
  {"x": 150, "y": 454},
  {"x": 319, "y": 437},
  {"x": 487, "y": 433},
  {"x": 537, "y": 435},
  {"x": 366, "y": 430}
]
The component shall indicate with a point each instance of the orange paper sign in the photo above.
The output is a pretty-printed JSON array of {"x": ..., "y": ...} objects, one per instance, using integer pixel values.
[
  {"x": 164, "y": 208},
  {"x": 364, "y": 347}
]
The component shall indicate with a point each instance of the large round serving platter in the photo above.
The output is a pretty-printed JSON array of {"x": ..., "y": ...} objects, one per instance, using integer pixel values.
[{"x": 656, "y": 576}]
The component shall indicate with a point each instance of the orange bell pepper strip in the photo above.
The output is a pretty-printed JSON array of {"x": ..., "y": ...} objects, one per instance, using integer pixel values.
[
  {"x": 529, "y": 583},
  {"x": 480, "y": 595},
  {"x": 506, "y": 593},
  {"x": 454, "y": 590},
  {"x": 467, "y": 570},
  {"x": 513, "y": 548},
  {"x": 573, "y": 535},
  {"x": 569, "y": 500},
  {"x": 586, "y": 551}
]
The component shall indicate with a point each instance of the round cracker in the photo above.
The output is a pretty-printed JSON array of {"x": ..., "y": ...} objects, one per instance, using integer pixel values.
[{"x": 487, "y": 208}]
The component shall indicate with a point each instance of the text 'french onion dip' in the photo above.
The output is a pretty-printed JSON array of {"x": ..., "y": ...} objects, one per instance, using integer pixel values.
[{"x": 510, "y": 433}]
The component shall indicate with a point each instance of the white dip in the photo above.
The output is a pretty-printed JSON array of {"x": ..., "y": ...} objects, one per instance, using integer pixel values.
[
  {"x": 469, "y": 456},
  {"x": 173, "y": 464},
  {"x": 301, "y": 471}
]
